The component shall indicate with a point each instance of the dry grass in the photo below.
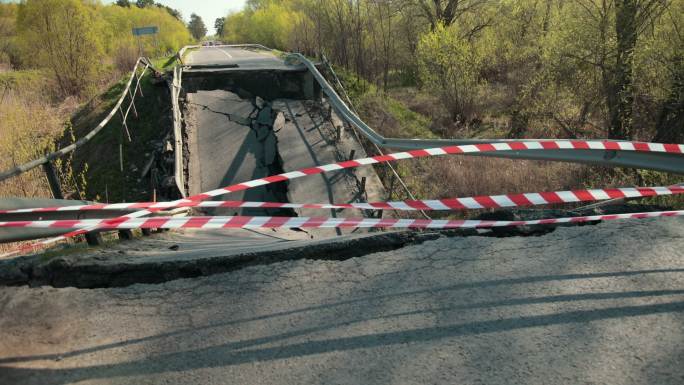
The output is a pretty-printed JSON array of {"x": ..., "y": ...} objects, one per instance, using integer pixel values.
[
  {"x": 458, "y": 176},
  {"x": 461, "y": 176},
  {"x": 28, "y": 128},
  {"x": 125, "y": 57},
  {"x": 30, "y": 124}
]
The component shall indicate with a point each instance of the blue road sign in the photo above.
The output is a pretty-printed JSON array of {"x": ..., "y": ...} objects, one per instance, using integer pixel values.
[{"x": 145, "y": 31}]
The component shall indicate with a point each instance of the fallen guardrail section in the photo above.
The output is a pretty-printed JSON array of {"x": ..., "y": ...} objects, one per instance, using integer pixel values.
[
  {"x": 132, "y": 89},
  {"x": 141, "y": 63}
]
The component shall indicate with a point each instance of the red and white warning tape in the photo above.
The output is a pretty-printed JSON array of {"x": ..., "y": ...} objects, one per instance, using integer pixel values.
[
  {"x": 460, "y": 149},
  {"x": 221, "y": 222},
  {"x": 456, "y": 149},
  {"x": 474, "y": 202}
]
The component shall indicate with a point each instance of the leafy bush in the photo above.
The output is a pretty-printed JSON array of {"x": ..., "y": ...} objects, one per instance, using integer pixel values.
[
  {"x": 451, "y": 66},
  {"x": 63, "y": 36}
]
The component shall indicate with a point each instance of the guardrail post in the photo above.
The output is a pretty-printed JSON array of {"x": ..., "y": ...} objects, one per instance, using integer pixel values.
[
  {"x": 53, "y": 180},
  {"x": 94, "y": 239},
  {"x": 125, "y": 235},
  {"x": 135, "y": 110},
  {"x": 138, "y": 87},
  {"x": 123, "y": 119},
  {"x": 391, "y": 188}
]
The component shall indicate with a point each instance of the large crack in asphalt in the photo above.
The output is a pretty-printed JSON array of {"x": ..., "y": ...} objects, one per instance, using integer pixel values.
[
  {"x": 261, "y": 143},
  {"x": 65, "y": 272},
  {"x": 89, "y": 274}
]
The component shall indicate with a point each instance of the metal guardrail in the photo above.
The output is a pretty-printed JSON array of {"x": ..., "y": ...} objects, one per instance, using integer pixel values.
[
  {"x": 79, "y": 143},
  {"x": 181, "y": 52},
  {"x": 22, "y": 234},
  {"x": 388, "y": 166},
  {"x": 177, "y": 130},
  {"x": 614, "y": 158}
]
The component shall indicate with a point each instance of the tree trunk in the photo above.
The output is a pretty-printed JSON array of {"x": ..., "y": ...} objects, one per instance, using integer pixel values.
[
  {"x": 621, "y": 101},
  {"x": 670, "y": 125}
]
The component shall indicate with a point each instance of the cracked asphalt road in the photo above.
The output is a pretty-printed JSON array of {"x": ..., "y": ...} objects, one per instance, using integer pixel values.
[{"x": 584, "y": 305}]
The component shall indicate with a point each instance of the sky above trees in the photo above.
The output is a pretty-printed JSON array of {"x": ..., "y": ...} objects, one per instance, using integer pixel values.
[{"x": 208, "y": 10}]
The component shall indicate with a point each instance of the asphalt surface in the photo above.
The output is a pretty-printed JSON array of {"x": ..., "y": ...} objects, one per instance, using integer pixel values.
[
  {"x": 583, "y": 305},
  {"x": 225, "y": 149},
  {"x": 244, "y": 59}
]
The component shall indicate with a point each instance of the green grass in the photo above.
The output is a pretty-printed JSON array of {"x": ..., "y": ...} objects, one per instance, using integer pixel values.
[
  {"x": 371, "y": 102},
  {"x": 25, "y": 82},
  {"x": 187, "y": 52},
  {"x": 21, "y": 78},
  {"x": 412, "y": 123},
  {"x": 101, "y": 155},
  {"x": 164, "y": 63}
]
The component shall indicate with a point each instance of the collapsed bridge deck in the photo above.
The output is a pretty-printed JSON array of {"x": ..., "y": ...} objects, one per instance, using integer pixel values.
[{"x": 242, "y": 126}]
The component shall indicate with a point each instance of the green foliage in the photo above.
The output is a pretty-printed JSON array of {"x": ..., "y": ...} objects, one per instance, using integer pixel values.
[
  {"x": 197, "y": 27},
  {"x": 76, "y": 39},
  {"x": 218, "y": 25},
  {"x": 8, "y": 18},
  {"x": 268, "y": 23},
  {"x": 144, "y": 3},
  {"x": 120, "y": 21},
  {"x": 449, "y": 64},
  {"x": 62, "y": 35},
  {"x": 551, "y": 67}
]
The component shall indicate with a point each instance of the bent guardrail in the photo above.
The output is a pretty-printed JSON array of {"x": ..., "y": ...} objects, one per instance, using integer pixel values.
[
  {"x": 176, "y": 88},
  {"x": 653, "y": 161},
  {"x": 82, "y": 141}
]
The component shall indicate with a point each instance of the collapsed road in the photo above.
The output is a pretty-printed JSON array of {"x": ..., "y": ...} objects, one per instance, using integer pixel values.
[
  {"x": 244, "y": 122},
  {"x": 585, "y": 304}
]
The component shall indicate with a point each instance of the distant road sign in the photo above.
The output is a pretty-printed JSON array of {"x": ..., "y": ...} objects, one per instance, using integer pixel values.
[{"x": 145, "y": 31}]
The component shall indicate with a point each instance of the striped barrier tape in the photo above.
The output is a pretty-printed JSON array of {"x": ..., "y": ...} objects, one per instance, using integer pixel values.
[
  {"x": 463, "y": 203},
  {"x": 455, "y": 149},
  {"x": 250, "y": 222}
]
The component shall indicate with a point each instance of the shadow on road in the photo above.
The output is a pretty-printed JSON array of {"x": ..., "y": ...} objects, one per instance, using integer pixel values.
[{"x": 234, "y": 353}]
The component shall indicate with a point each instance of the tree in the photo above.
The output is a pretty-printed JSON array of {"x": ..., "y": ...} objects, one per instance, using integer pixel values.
[
  {"x": 621, "y": 96},
  {"x": 123, "y": 3},
  {"x": 197, "y": 27},
  {"x": 218, "y": 24},
  {"x": 144, "y": 3},
  {"x": 670, "y": 125},
  {"x": 450, "y": 66},
  {"x": 8, "y": 29},
  {"x": 446, "y": 11},
  {"x": 630, "y": 18},
  {"x": 62, "y": 35},
  {"x": 173, "y": 12}
]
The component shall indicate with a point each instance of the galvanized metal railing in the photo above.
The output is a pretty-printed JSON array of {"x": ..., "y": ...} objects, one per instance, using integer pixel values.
[
  {"x": 388, "y": 166},
  {"x": 673, "y": 163},
  {"x": 176, "y": 88},
  {"x": 46, "y": 160}
]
